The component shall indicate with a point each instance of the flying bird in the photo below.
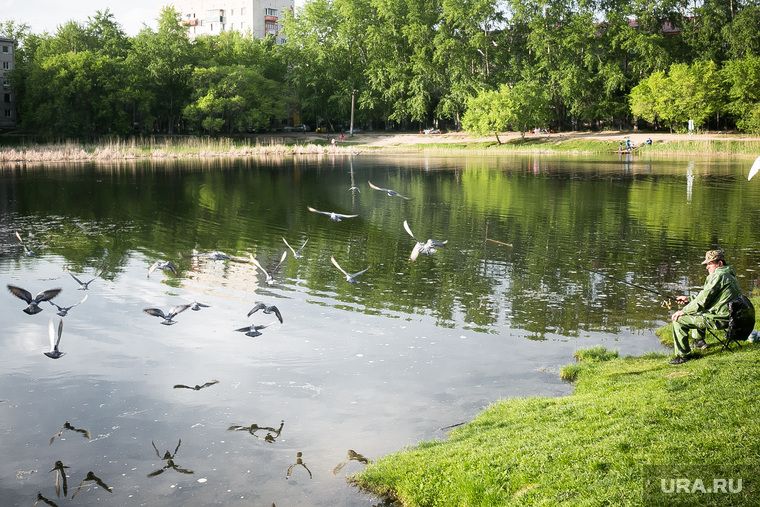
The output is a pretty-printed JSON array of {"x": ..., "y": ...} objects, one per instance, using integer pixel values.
[
  {"x": 196, "y": 306},
  {"x": 349, "y": 278},
  {"x": 55, "y": 340},
  {"x": 83, "y": 285},
  {"x": 335, "y": 217},
  {"x": 426, "y": 248},
  {"x": 214, "y": 256},
  {"x": 391, "y": 193},
  {"x": 197, "y": 387},
  {"x": 267, "y": 309},
  {"x": 175, "y": 310},
  {"x": 252, "y": 330},
  {"x": 60, "y": 478},
  {"x": 64, "y": 310},
  {"x": 163, "y": 266},
  {"x": 92, "y": 477},
  {"x": 29, "y": 251},
  {"x": 67, "y": 426},
  {"x": 752, "y": 172},
  {"x": 33, "y": 302},
  {"x": 296, "y": 254},
  {"x": 270, "y": 276}
]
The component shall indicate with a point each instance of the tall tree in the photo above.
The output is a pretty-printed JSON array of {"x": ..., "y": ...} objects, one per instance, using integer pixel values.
[
  {"x": 164, "y": 60},
  {"x": 742, "y": 78}
]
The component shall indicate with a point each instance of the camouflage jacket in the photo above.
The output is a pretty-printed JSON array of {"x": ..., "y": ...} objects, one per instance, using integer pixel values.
[{"x": 712, "y": 301}]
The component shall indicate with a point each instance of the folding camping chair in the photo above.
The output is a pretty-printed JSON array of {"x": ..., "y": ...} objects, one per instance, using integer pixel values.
[{"x": 741, "y": 322}]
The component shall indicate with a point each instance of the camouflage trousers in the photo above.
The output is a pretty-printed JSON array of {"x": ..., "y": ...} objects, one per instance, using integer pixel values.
[{"x": 698, "y": 324}]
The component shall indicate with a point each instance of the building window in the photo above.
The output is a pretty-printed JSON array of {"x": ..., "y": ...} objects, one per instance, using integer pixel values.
[
  {"x": 7, "y": 98},
  {"x": 6, "y": 50},
  {"x": 7, "y": 113},
  {"x": 242, "y": 11},
  {"x": 6, "y": 65},
  {"x": 271, "y": 26},
  {"x": 271, "y": 12}
]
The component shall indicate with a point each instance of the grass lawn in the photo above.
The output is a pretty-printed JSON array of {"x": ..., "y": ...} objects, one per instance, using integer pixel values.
[{"x": 593, "y": 447}]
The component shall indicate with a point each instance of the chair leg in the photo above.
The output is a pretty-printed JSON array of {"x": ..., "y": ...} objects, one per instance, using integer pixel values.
[{"x": 725, "y": 342}]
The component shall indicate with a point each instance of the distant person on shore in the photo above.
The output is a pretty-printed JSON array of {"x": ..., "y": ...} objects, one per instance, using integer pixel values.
[{"x": 708, "y": 309}]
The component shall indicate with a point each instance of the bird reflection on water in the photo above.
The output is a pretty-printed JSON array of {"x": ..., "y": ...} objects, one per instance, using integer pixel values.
[
  {"x": 169, "y": 458},
  {"x": 271, "y": 436},
  {"x": 351, "y": 456},
  {"x": 60, "y": 478},
  {"x": 41, "y": 498},
  {"x": 197, "y": 387},
  {"x": 299, "y": 462},
  {"x": 91, "y": 477},
  {"x": 67, "y": 426}
]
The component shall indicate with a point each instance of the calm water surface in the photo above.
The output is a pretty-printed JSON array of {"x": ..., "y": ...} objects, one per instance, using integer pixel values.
[{"x": 373, "y": 366}]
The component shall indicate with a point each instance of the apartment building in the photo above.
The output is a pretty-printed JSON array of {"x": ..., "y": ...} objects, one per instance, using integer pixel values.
[
  {"x": 211, "y": 17},
  {"x": 7, "y": 105}
]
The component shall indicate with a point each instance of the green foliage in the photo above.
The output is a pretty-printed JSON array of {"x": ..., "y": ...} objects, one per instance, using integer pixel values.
[
  {"x": 237, "y": 96},
  {"x": 509, "y": 108},
  {"x": 742, "y": 79},
  {"x": 686, "y": 92},
  {"x": 413, "y": 63}
]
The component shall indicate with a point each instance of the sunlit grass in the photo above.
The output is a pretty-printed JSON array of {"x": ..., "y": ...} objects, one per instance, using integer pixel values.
[
  {"x": 569, "y": 145},
  {"x": 588, "y": 448}
]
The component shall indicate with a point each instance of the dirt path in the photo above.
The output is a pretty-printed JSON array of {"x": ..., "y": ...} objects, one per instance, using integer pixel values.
[{"x": 383, "y": 139}]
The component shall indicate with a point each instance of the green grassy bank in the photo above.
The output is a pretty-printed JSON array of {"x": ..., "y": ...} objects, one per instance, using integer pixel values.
[
  {"x": 173, "y": 147},
  {"x": 592, "y": 447},
  {"x": 570, "y": 145}
]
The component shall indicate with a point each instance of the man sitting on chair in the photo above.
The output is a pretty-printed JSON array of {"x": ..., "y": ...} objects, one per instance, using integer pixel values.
[{"x": 708, "y": 309}]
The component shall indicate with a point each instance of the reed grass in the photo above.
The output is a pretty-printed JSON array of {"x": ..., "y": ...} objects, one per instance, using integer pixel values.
[{"x": 161, "y": 148}]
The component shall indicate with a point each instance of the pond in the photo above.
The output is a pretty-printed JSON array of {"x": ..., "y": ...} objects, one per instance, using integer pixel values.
[{"x": 587, "y": 247}]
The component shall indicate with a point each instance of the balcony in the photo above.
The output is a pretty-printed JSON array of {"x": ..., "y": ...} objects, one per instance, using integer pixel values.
[{"x": 270, "y": 18}]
